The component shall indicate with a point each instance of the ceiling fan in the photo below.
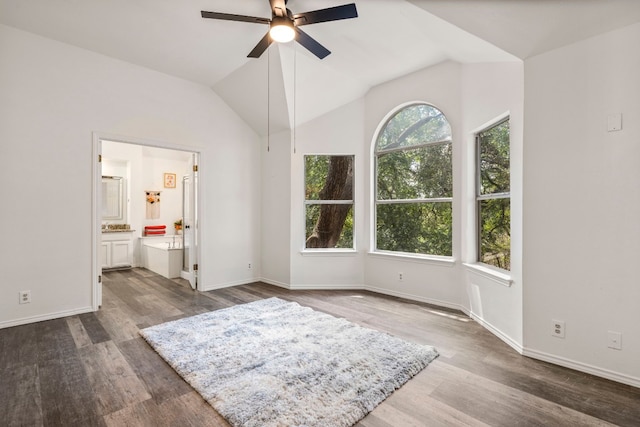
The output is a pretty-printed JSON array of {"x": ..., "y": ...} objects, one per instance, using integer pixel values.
[{"x": 284, "y": 25}]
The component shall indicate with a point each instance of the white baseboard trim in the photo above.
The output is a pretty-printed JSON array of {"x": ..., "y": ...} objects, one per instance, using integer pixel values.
[
  {"x": 275, "y": 283},
  {"x": 582, "y": 367},
  {"x": 415, "y": 298},
  {"x": 43, "y": 317},
  {"x": 309, "y": 287},
  {"x": 206, "y": 288},
  {"x": 497, "y": 332},
  {"x": 334, "y": 287}
]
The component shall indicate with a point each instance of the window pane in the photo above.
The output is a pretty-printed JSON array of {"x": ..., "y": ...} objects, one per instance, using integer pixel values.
[
  {"x": 329, "y": 226},
  {"x": 494, "y": 159},
  {"x": 414, "y": 125},
  {"x": 422, "y": 173},
  {"x": 328, "y": 177},
  {"x": 495, "y": 232},
  {"x": 422, "y": 228}
]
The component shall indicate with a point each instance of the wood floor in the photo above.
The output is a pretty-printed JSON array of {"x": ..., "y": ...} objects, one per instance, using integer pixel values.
[{"x": 95, "y": 370}]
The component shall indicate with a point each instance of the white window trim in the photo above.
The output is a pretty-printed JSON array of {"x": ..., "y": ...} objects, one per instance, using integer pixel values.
[
  {"x": 339, "y": 252},
  {"x": 502, "y": 277},
  {"x": 418, "y": 258},
  {"x": 497, "y": 274},
  {"x": 423, "y": 258}
]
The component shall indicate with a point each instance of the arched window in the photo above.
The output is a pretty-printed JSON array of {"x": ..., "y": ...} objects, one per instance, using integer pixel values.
[{"x": 414, "y": 182}]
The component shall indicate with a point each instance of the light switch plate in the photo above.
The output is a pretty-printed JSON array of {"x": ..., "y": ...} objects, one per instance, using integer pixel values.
[
  {"x": 614, "y": 122},
  {"x": 615, "y": 340}
]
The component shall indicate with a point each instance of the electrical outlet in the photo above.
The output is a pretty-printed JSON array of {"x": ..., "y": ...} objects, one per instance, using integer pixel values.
[
  {"x": 557, "y": 328},
  {"x": 615, "y": 340},
  {"x": 400, "y": 276},
  {"x": 24, "y": 297},
  {"x": 249, "y": 267}
]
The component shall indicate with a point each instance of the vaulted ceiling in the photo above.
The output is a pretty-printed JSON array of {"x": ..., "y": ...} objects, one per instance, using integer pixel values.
[{"x": 390, "y": 38}]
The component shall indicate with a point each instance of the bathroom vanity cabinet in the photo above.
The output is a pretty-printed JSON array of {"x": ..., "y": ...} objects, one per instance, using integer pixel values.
[{"x": 116, "y": 249}]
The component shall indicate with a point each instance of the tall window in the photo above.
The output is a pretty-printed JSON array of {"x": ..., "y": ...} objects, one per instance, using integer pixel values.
[
  {"x": 328, "y": 201},
  {"x": 414, "y": 182},
  {"x": 493, "y": 197}
]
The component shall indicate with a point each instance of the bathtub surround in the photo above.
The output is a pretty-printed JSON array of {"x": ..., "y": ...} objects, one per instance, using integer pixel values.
[
  {"x": 163, "y": 255},
  {"x": 273, "y": 362}
]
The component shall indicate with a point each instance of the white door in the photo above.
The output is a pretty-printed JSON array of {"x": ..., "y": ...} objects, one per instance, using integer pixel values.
[
  {"x": 190, "y": 222},
  {"x": 102, "y": 250}
]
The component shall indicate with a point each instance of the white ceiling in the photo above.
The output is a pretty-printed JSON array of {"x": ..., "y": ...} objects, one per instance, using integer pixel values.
[{"x": 390, "y": 38}]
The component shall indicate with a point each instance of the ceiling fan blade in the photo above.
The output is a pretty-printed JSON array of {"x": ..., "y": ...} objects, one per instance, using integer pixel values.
[
  {"x": 278, "y": 7},
  {"x": 262, "y": 45},
  {"x": 232, "y": 17},
  {"x": 312, "y": 46},
  {"x": 346, "y": 11}
]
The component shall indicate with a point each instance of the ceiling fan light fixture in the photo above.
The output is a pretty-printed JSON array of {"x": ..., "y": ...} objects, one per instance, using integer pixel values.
[{"x": 281, "y": 30}]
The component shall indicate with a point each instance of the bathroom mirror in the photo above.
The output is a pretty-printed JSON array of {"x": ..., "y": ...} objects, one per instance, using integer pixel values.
[{"x": 112, "y": 198}]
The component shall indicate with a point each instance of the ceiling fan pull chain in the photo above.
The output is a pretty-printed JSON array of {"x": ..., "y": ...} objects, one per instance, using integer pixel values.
[
  {"x": 295, "y": 71},
  {"x": 268, "y": 101}
]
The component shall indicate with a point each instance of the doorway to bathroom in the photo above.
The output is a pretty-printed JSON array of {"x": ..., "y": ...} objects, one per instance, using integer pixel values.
[{"x": 146, "y": 209}]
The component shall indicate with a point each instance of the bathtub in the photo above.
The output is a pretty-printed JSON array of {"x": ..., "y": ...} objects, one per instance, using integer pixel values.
[{"x": 162, "y": 257}]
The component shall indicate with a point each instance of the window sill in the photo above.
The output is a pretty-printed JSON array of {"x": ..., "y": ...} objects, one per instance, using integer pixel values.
[
  {"x": 328, "y": 252},
  {"x": 424, "y": 259},
  {"x": 497, "y": 276}
]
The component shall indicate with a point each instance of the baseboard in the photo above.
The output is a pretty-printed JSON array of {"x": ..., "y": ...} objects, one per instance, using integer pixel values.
[
  {"x": 497, "y": 332},
  {"x": 275, "y": 283},
  {"x": 415, "y": 298},
  {"x": 334, "y": 287},
  {"x": 229, "y": 284},
  {"x": 43, "y": 317},
  {"x": 307, "y": 287},
  {"x": 582, "y": 367}
]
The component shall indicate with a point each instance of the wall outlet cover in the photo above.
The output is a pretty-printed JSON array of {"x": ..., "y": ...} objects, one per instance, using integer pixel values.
[{"x": 557, "y": 328}]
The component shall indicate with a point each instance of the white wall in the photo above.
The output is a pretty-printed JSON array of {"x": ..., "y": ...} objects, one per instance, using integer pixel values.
[
  {"x": 490, "y": 91},
  {"x": 150, "y": 165},
  {"x": 582, "y": 200},
  {"x": 54, "y": 96},
  {"x": 276, "y": 209},
  {"x": 338, "y": 132},
  {"x": 422, "y": 280},
  {"x": 470, "y": 96}
]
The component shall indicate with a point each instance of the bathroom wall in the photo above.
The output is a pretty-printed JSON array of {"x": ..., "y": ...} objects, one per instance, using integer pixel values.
[{"x": 144, "y": 167}]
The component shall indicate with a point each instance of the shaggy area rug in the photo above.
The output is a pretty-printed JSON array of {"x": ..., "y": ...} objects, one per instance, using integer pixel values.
[{"x": 276, "y": 363}]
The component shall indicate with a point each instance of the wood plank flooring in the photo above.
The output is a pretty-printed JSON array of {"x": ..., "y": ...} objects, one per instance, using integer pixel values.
[{"x": 95, "y": 370}]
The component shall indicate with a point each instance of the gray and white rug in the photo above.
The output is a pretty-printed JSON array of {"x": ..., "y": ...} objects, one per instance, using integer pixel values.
[{"x": 276, "y": 363}]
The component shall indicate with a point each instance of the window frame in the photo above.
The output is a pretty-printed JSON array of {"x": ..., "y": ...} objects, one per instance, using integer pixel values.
[
  {"x": 312, "y": 202},
  {"x": 479, "y": 198},
  {"x": 438, "y": 259}
]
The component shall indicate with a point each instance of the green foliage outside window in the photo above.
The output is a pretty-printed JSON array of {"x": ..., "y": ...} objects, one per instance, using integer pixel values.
[
  {"x": 328, "y": 178},
  {"x": 414, "y": 183},
  {"x": 420, "y": 228},
  {"x": 345, "y": 240},
  {"x": 494, "y": 201}
]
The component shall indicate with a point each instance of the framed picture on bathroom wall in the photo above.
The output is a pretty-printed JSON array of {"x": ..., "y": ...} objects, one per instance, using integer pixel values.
[{"x": 169, "y": 180}]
